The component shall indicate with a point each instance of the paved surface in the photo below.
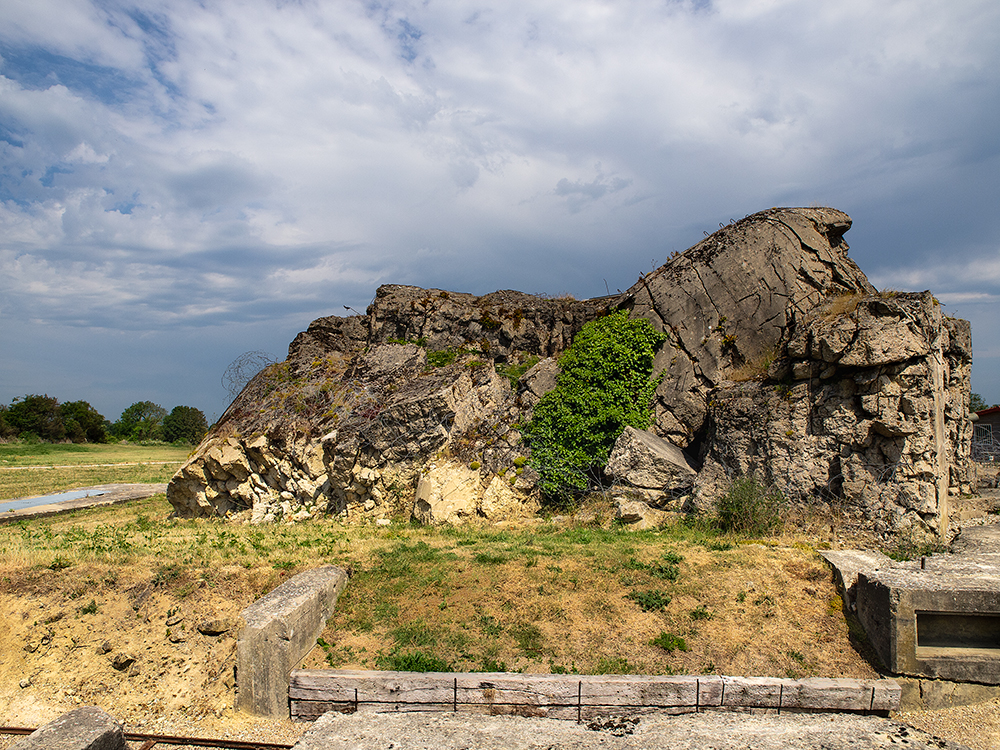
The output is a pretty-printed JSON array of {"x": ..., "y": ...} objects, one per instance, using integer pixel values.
[
  {"x": 705, "y": 731},
  {"x": 103, "y": 494}
]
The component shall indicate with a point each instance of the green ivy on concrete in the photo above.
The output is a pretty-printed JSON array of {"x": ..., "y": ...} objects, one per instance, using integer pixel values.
[{"x": 604, "y": 385}]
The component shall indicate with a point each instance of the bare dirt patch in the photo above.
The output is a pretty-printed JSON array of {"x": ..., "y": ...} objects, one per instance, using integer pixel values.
[{"x": 121, "y": 638}]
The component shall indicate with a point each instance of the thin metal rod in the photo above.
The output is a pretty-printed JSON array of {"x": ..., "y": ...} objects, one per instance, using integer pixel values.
[{"x": 168, "y": 739}]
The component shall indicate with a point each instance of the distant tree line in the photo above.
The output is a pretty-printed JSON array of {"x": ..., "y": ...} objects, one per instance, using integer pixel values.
[
  {"x": 978, "y": 403},
  {"x": 36, "y": 417}
]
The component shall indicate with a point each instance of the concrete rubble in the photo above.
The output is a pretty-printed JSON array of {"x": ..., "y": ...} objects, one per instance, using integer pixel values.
[
  {"x": 85, "y": 728},
  {"x": 782, "y": 361}
]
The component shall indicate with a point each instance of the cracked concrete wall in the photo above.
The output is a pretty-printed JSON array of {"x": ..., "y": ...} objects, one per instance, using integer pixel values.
[
  {"x": 784, "y": 361},
  {"x": 727, "y": 302}
]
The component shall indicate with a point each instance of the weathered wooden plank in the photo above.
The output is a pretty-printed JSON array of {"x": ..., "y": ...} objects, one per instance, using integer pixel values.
[
  {"x": 827, "y": 693},
  {"x": 541, "y": 693},
  {"x": 499, "y": 688},
  {"x": 888, "y": 694},
  {"x": 373, "y": 687},
  {"x": 752, "y": 692},
  {"x": 822, "y": 693},
  {"x": 597, "y": 712},
  {"x": 641, "y": 690}
]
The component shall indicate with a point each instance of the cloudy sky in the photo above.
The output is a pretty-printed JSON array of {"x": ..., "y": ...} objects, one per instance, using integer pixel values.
[{"x": 181, "y": 182}]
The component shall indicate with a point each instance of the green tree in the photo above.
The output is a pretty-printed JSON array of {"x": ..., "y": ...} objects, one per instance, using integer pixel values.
[
  {"x": 604, "y": 385},
  {"x": 37, "y": 414},
  {"x": 83, "y": 422},
  {"x": 977, "y": 403},
  {"x": 6, "y": 429},
  {"x": 143, "y": 420},
  {"x": 184, "y": 423}
]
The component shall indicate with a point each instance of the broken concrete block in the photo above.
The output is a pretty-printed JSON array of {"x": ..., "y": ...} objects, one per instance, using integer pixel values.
[
  {"x": 646, "y": 461},
  {"x": 86, "y": 728},
  {"x": 280, "y": 629}
]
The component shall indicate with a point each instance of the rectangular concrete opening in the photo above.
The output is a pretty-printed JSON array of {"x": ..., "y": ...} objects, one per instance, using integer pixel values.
[{"x": 955, "y": 630}]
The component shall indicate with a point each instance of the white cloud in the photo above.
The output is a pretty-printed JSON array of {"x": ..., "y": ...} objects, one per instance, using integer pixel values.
[{"x": 260, "y": 158}]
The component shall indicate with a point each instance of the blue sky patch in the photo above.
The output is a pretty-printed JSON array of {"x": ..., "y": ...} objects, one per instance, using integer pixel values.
[{"x": 38, "y": 69}]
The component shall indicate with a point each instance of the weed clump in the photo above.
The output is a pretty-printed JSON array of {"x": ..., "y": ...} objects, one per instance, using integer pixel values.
[
  {"x": 411, "y": 661},
  {"x": 649, "y": 601},
  {"x": 750, "y": 508},
  {"x": 669, "y": 642}
]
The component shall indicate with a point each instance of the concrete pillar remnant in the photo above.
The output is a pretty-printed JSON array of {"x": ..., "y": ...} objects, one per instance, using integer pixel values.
[{"x": 280, "y": 629}]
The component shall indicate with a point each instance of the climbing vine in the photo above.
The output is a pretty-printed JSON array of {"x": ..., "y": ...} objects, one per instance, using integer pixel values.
[{"x": 605, "y": 383}]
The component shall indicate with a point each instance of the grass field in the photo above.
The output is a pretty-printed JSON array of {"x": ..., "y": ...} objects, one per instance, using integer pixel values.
[
  {"x": 39, "y": 469},
  {"x": 541, "y": 598}
]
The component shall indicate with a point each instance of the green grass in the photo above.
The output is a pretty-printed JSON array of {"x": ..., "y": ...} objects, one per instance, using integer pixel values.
[
  {"x": 669, "y": 642},
  {"x": 650, "y": 601},
  {"x": 65, "y": 454},
  {"x": 86, "y": 466}
]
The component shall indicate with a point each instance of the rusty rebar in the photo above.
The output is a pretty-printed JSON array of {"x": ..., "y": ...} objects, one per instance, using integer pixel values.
[{"x": 151, "y": 740}]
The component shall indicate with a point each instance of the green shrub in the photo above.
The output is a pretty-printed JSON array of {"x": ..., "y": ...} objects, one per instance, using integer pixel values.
[
  {"x": 442, "y": 358},
  {"x": 700, "y": 613},
  {"x": 750, "y": 508},
  {"x": 604, "y": 385},
  {"x": 668, "y": 571}
]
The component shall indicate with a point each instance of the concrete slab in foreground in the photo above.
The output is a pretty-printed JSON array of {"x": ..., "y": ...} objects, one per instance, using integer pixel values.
[
  {"x": 87, "y": 728},
  {"x": 719, "y": 731}
]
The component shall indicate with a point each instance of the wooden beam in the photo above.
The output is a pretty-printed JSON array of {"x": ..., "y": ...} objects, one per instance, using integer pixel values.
[{"x": 314, "y": 691}]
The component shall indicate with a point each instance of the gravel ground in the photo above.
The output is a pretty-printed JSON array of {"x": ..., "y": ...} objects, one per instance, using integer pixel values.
[{"x": 977, "y": 727}]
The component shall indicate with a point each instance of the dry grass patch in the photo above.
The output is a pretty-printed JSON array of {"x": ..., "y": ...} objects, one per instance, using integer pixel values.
[
  {"x": 542, "y": 598},
  {"x": 591, "y": 601},
  {"x": 839, "y": 306}
]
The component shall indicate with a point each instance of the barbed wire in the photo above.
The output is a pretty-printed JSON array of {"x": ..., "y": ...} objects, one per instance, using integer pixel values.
[{"x": 242, "y": 370}]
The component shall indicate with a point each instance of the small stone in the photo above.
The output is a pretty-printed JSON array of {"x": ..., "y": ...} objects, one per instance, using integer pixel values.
[
  {"x": 383, "y": 522},
  {"x": 104, "y": 648},
  {"x": 176, "y": 636},
  {"x": 173, "y": 620},
  {"x": 215, "y": 626},
  {"x": 133, "y": 670},
  {"x": 122, "y": 661},
  {"x": 25, "y": 682}
]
